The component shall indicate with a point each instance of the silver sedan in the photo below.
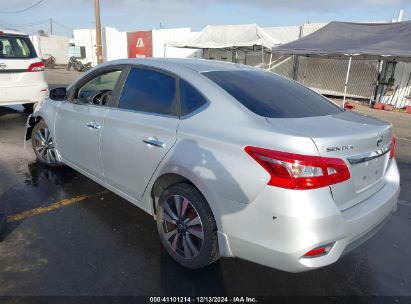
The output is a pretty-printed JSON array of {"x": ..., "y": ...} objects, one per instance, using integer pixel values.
[{"x": 231, "y": 160}]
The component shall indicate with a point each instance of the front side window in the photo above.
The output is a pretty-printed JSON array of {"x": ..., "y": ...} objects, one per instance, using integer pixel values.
[
  {"x": 98, "y": 90},
  {"x": 16, "y": 47},
  {"x": 149, "y": 91},
  {"x": 270, "y": 95},
  {"x": 190, "y": 98}
]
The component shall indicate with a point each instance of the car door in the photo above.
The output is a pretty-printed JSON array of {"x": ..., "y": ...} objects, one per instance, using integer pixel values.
[
  {"x": 80, "y": 120},
  {"x": 138, "y": 134}
]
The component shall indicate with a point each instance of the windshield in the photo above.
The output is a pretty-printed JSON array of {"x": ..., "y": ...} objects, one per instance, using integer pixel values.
[{"x": 270, "y": 95}]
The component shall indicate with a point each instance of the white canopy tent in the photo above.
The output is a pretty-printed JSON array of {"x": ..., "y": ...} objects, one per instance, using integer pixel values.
[
  {"x": 228, "y": 36},
  {"x": 355, "y": 41}
]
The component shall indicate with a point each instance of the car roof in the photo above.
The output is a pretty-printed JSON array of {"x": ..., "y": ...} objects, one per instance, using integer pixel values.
[
  {"x": 12, "y": 32},
  {"x": 199, "y": 65}
]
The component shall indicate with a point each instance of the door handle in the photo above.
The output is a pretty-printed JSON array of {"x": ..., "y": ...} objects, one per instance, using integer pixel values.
[
  {"x": 93, "y": 125},
  {"x": 154, "y": 142}
]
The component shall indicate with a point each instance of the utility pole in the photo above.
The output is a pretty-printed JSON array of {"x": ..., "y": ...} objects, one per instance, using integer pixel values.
[
  {"x": 400, "y": 15},
  {"x": 51, "y": 26},
  {"x": 99, "y": 47}
]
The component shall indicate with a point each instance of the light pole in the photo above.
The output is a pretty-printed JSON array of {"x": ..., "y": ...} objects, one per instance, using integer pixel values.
[{"x": 99, "y": 48}]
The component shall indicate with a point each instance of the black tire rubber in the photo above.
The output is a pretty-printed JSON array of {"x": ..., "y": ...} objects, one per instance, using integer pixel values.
[
  {"x": 39, "y": 125},
  {"x": 209, "y": 252},
  {"x": 29, "y": 107}
]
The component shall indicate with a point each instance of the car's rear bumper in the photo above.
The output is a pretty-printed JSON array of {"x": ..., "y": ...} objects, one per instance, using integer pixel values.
[
  {"x": 277, "y": 229},
  {"x": 21, "y": 94}
]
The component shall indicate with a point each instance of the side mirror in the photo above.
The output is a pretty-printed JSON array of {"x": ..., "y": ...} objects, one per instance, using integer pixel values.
[{"x": 58, "y": 94}]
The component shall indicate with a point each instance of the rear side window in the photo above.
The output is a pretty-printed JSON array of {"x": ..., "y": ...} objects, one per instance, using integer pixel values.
[
  {"x": 149, "y": 91},
  {"x": 16, "y": 47},
  {"x": 190, "y": 98},
  {"x": 273, "y": 96}
]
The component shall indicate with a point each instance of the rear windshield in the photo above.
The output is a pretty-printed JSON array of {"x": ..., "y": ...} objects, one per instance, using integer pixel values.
[
  {"x": 270, "y": 95},
  {"x": 16, "y": 47}
]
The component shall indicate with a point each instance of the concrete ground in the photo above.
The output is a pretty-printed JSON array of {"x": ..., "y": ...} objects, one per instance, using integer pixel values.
[{"x": 67, "y": 235}]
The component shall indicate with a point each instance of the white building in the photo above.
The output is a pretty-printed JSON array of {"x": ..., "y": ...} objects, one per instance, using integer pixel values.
[
  {"x": 57, "y": 46},
  {"x": 115, "y": 45},
  {"x": 86, "y": 38}
]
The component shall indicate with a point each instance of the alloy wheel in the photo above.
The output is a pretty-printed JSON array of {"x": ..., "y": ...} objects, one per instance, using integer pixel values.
[
  {"x": 43, "y": 144},
  {"x": 182, "y": 227}
]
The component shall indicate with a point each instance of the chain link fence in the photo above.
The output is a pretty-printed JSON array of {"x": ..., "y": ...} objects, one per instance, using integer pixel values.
[{"x": 327, "y": 76}]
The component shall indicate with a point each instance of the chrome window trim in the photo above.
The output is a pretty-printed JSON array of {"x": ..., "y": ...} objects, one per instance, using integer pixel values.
[
  {"x": 360, "y": 158},
  {"x": 146, "y": 113}
]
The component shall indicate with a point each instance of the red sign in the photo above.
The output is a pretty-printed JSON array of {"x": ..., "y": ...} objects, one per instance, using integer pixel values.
[{"x": 140, "y": 44}]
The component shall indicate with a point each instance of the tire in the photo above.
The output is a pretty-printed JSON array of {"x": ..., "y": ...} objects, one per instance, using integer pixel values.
[
  {"x": 29, "y": 107},
  {"x": 50, "y": 65},
  {"x": 79, "y": 67},
  {"x": 190, "y": 235},
  {"x": 43, "y": 145}
]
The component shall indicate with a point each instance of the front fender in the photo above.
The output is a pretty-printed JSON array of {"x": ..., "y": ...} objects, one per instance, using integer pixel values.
[{"x": 46, "y": 110}]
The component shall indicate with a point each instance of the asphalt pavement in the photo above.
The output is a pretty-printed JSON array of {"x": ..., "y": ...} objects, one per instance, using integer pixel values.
[{"x": 66, "y": 235}]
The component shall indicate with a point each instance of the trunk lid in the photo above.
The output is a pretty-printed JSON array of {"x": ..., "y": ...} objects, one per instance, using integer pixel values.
[
  {"x": 361, "y": 141},
  {"x": 13, "y": 70}
]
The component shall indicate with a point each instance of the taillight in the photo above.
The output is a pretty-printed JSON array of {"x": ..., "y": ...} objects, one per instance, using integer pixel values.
[
  {"x": 36, "y": 67},
  {"x": 393, "y": 142},
  {"x": 296, "y": 171}
]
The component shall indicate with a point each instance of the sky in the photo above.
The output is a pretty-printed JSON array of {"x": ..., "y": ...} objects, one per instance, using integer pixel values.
[{"x": 133, "y": 15}]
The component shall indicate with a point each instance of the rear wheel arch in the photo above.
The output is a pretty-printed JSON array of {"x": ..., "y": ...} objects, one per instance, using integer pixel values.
[{"x": 165, "y": 181}]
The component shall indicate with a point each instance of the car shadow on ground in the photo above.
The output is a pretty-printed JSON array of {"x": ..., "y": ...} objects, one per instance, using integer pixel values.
[{"x": 9, "y": 110}]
